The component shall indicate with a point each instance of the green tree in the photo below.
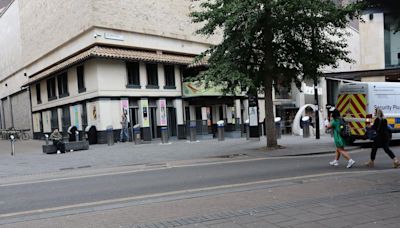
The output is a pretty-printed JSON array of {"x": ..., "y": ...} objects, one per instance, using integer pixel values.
[{"x": 266, "y": 41}]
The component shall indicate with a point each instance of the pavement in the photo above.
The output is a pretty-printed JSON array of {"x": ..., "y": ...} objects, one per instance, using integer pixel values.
[{"x": 29, "y": 158}]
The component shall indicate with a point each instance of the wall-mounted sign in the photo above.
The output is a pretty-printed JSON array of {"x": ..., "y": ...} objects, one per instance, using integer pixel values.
[
  {"x": 163, "y": 112},
  {"x": 144, "y": 104},
  {"x": 111, "y": 36},
  {"x": 253, "y": 116}
]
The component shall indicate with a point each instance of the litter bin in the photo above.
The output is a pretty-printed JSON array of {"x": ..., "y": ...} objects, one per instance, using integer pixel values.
[
  {"x": 306, "y": 126},
  {"x": 221, "y": 130},
  {"x": 164, "y": 135},
  {"x": 136, "y": 134},
  {"x": 110, "y": 136},
  {"x": 192, "y": 131},
  {"x": 278, "y": 127},
  {"x": 247, "y": 125}
]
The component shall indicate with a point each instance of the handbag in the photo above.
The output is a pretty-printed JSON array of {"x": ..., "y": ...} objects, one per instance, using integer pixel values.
[{"x": 371, "y": 133}]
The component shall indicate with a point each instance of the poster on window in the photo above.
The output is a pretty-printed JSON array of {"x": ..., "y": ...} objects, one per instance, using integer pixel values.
[
  {"x": 253, "y": 116},
  {"x": 144, "y": 104},
  {"x": 163, "y": 112},
  {"x": 36, "y": 122},
  {"x": 46, "y": 121},
  {"x": 92, "y": 113},
  {"x": 75, "y": 116}
]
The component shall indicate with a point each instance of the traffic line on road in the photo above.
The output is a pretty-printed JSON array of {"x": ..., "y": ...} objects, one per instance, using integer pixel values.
[
  {"x": 147, "y": 168},
  {"x": 166, "y": 194}
]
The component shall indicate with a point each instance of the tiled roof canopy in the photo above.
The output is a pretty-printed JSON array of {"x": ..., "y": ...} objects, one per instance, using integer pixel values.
[{"x": 114, "y": 53}]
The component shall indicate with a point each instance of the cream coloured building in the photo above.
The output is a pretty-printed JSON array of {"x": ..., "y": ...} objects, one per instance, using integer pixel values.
[{"x": 80, "y": 63}]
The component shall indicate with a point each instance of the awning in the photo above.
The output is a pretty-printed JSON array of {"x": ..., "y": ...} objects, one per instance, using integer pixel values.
[{"x": 113, "y": 53}]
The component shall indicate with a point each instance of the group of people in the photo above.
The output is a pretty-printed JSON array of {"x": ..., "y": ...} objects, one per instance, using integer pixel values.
[{"x": 381, "y": 140}]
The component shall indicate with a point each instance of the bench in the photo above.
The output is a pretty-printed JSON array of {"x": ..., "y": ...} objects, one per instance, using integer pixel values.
[{"x": 69, "y": 146}]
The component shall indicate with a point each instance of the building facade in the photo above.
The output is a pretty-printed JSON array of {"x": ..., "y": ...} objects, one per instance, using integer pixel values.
[{"x": 81, "y": 63}]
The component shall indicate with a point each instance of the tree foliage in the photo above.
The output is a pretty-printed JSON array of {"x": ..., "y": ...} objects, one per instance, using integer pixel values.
[{"x": 272, "y": 40}]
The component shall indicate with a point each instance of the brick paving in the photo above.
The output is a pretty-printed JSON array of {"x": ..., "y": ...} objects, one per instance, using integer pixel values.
[{"x": 377, "y": 207}]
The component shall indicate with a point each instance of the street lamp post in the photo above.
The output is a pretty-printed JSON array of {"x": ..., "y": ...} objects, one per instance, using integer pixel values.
[{"x": 317, "y": 109}]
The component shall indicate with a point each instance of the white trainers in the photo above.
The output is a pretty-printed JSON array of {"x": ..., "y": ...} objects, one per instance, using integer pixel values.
[
  {"x": 58, "y": 152},
  {"x": 350, "y": 163},
  {"x": 334, "y": 163}
]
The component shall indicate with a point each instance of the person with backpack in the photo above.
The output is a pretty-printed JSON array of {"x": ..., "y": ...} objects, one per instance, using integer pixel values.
[
  {"x": 337, "y": 124},
  {"x": 381, "y": 139}
]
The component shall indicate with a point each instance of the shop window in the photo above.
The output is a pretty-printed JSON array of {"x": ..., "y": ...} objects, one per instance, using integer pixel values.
[
  {"x": 152, "y": 76},
  {"x": 169, "y": 71},
  {"x": 54, "y": 119},
  {"x": 38, "y": 94},
  {"x": 133, "y": 75},
  {"x": 80, "y": 71},
  {"x": 51, "y": 89},
  {"x": 62, "y": 81}
]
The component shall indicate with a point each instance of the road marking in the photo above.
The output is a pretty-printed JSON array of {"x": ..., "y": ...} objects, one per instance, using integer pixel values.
[
  {"x": 120, "y": 200},
  {"x": 146, "y": 169}
]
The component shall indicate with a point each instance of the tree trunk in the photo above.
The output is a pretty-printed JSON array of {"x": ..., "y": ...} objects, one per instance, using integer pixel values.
[{"x": 269, "y": 114}]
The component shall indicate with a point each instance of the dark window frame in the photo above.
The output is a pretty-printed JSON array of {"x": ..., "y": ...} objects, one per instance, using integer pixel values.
[
  {"x": 38, "y": 93},
  {"x": 152, "y": 76},
  {"x": 62, "y": 84},
  {"x": 51, "y": 89},
  {"x": 133, "y": 75},
  {"x": 80, "y": 76},
  {"x": 169, "y": 73}
]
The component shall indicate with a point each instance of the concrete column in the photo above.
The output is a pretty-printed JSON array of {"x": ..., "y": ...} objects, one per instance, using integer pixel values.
[
  {"x": 178, "y": 104},
  {"x": 238, "y": 110},
  {"x": 246, "y": 110},
  {"x": 161, "y": 76},
  {"x": 228, "y": 114},
  {"x": 203, "y": 113},
  {"x": 142, "y": 75}
]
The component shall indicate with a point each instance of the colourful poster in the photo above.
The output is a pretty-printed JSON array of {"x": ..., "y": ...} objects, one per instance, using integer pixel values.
[
  {"x": 163, "y": 112},
  {"x": 144, "y": 104},
  {"x": 76, "y": 114},
  {"x": 253, "y": 116},
  {"x": 36, "y": 122}
]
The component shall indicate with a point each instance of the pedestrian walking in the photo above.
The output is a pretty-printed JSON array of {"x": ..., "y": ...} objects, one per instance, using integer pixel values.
[
  {"x": 339, "y": 141},
  {"x": 381, "y": 140},
  {"x": 124, "y": 127}
]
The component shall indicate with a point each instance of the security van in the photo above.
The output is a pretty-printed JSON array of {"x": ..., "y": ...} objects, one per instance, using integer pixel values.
[{"x": 357, "y": 103}]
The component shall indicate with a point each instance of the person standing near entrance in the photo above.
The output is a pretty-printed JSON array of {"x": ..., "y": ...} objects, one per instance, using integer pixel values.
[
  {"x": 381, "y": 140},
  {"x": 124, "y": 127},
  {"x": 339, "y": 141}
]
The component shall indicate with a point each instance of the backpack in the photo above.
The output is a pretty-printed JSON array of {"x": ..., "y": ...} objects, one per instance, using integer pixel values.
[{"x": 344, "y": 129}]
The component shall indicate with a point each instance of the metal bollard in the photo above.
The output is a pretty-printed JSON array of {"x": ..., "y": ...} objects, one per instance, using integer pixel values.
[
  {"x": 221, "y": 130},
  {"x": 12, "y": 140},
  {"x": 110, "y": 136},
  {"x": 46, "y": 136},
  {"x": 77, "y": 136},
  {"x": 278, "y": 127},
  {"x": 164, "y": 135},
  {"x": 192, "y": 133}
]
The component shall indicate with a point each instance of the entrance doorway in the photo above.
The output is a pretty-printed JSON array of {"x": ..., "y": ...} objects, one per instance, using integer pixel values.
[
  {"x": 153, "y": 123},
  {"x": 172, "y": 125}
]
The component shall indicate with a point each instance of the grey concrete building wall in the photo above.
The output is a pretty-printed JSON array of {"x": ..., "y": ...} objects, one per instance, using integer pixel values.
[
  {"x": 45, "y": 25},
  {"x": 166, "y": 18},
  {"x": 21, "y": 110},
  {"x": 6, "y": 113}
]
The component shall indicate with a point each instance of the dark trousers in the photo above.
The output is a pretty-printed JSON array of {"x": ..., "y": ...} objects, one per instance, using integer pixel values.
[
  {"x": 60, "y": 145},
  {"x": 385, "y": 147}
]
